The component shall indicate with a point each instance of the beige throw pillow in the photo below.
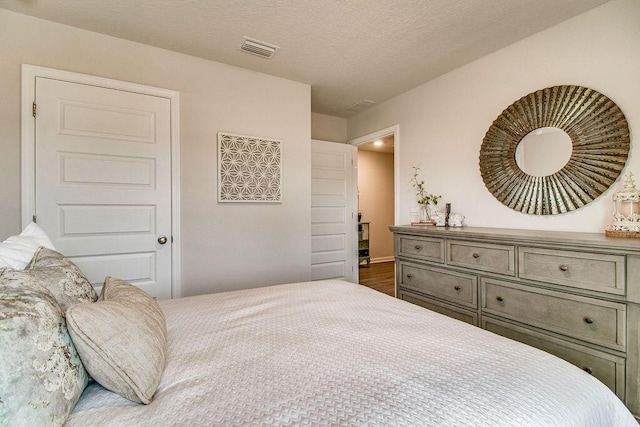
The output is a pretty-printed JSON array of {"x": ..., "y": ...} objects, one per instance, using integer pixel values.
[{"x": 121, "y": 340}]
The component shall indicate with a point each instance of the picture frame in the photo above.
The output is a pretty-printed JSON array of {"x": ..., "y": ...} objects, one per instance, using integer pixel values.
[{"x": 249, "y": 169}]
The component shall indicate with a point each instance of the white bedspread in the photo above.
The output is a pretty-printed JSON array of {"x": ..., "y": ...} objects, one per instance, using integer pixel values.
[{"x": 335, "y": 353}]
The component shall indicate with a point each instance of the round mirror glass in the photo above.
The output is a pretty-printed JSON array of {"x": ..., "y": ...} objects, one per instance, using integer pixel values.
[{"x": 543, "y": 151}]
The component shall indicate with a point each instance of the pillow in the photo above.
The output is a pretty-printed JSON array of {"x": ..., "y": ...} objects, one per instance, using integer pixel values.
[
  {"x": 41, "y": 375},
  {"x": 121, "y": 339},
  {"x": 17, "y": 251},
  {"x": 62, "y": 277}
]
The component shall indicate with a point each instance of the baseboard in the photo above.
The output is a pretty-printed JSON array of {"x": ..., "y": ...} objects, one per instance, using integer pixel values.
[{"x": 382, "y": 259}]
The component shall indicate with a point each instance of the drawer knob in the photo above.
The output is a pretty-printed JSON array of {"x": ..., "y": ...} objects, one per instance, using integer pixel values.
[
  {"x": 499, "y": 298},
  {"x": 409, "y": 275},
  {"x": 588, "y": 320},
  {"x": 457, "y": 287},
  {"x": 563, "y": 267},
  {"x": 476, "y": 255},
  {"x": 588, "y": 370},
  {"x": 418, "y": 247}
]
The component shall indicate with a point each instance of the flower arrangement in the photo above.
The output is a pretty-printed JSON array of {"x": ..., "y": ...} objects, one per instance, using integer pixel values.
[{"x": 423, "y": 197}]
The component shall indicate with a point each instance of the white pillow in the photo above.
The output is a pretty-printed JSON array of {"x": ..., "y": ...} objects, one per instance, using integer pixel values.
[{"x": 17, "y": 251}]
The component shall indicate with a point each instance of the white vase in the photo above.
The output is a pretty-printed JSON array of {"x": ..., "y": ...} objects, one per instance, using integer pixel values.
[{"x": 424, "y": 213}]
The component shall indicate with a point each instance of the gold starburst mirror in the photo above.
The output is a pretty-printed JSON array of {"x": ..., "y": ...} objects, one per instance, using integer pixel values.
[{"x": 554, "y": 150}]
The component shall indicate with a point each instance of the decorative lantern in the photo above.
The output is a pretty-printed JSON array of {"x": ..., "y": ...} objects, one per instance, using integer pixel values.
[{"x": 626, "y": 219}]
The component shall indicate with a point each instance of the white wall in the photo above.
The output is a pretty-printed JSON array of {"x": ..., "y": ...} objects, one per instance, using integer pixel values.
[
  {"x": 328, "y": 128},
  {"x": 223, "y": 246},
  {"x": 443, "y": 122}
]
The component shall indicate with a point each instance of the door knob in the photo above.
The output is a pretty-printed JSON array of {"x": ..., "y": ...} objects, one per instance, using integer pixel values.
[{"x": 162, "y": 240}]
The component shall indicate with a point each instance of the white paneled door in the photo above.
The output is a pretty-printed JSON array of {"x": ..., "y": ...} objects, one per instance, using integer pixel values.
[
  {"x": 103, "y": 180},
  {"x": 334, "y": 241}
]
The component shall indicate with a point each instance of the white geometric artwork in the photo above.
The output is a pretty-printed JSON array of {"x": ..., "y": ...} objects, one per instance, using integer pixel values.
[{"x": 249, "y": 169}]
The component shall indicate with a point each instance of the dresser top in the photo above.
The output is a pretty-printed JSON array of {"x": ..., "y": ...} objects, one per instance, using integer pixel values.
[{"x": 590, "y": 240}]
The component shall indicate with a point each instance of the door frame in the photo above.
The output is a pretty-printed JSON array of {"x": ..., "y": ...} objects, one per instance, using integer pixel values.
[
  {"x": 28, "y": 195},
  {"x": 395, "y": 130}
]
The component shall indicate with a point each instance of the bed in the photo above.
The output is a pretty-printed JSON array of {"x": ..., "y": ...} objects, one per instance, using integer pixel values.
[
  {"x": 313, "y": 353},
  {"x": 336, "y": 353}
]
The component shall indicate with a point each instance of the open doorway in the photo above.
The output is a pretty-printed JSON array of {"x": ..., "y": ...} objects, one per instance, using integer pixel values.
[{"x": 377, "y": 208}]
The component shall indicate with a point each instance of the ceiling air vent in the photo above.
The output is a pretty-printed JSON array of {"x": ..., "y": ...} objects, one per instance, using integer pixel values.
[
  {"x": 259, "y": 48},
  {"x": 361, "y": 106}
]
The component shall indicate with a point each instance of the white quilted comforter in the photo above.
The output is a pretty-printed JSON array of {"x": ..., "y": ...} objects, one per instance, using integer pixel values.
[{"x": 335, "y": 353}]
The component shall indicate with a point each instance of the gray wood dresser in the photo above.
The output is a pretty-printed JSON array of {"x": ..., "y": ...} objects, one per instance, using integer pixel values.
[{"x": 575, "y": 295}]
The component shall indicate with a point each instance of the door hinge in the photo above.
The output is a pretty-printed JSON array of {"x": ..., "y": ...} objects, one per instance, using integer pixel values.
[
  {"x": 34, "y": 107},
  {"x": 33, "y": 218}
]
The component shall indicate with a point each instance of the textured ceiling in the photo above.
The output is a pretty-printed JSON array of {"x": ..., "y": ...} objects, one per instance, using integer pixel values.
[{"x": 347, "y": 50}]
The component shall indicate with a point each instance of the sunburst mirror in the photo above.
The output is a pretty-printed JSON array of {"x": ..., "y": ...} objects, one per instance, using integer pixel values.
[{"x": 554, "y": 150}]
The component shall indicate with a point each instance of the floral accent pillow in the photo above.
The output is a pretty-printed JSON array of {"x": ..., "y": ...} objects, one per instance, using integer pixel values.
[
  {"x": 41, "y": 375},
  {"x": 62, "y": 277}
]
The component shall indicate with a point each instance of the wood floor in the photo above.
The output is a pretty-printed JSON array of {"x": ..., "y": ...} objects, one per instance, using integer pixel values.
[{"x": 379, "y": 276}]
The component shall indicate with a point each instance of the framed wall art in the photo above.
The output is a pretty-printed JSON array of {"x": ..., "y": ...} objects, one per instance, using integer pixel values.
[{"x": 249, "y": 169}]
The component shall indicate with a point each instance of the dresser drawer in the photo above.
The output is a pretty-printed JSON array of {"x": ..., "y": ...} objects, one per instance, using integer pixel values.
[
  {"x": 482, "y": 256},
  {"x": 425, "y": 248},
  {"x": 459, "y": 288},
  {"x": 608, "y": 368},
  {"x": 588, "y": 319},
  {"x": 442, "y": 308},
  {"x": 584, "y": 270}
]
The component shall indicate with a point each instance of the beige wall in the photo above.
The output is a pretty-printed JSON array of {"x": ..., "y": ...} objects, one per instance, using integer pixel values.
[
  {"x": 442, "y": 122},
  {"x": 375, "y": 200},
  {"x": 223, "y": 246},
  {"x": 328, "y": 128}
]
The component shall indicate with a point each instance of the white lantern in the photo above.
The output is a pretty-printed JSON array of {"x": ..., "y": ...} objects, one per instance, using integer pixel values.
[{"x": 626, "y": 219}]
